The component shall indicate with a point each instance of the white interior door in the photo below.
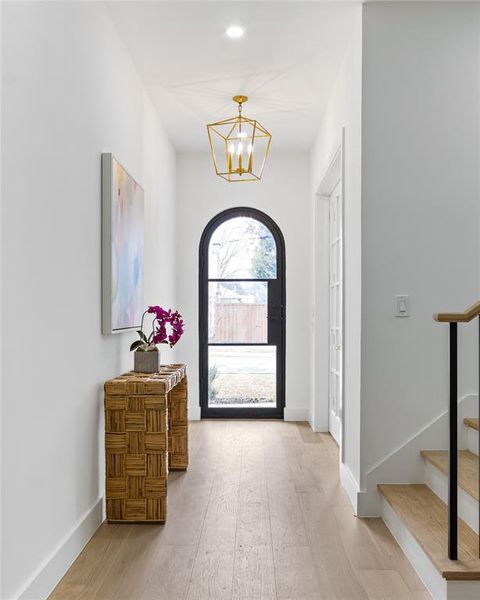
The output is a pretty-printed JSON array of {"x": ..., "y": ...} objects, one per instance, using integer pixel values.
[{"x": 336, "y": 314}]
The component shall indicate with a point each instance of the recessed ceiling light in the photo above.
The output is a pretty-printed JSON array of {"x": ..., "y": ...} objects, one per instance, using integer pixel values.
[{"x": 235, "y": 31}]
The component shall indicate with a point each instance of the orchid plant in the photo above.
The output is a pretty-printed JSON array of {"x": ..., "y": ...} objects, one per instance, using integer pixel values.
[{"x": 161, "y": 318}]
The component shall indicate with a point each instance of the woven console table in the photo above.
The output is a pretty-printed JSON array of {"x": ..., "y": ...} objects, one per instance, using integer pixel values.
[{"x": 146, "y": 434}]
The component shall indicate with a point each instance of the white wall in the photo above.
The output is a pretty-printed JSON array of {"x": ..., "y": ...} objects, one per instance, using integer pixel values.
[
  {"x": 343, "y": 111},
  {"x": 283, "y": 195},
  {"x": 1, "y": 299},
  {"x": 420, "y": 211},
  {"x": 70, "y": 92}
]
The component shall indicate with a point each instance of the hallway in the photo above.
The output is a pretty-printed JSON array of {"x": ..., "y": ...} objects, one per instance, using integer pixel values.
[{"x": 260, "y": 514}]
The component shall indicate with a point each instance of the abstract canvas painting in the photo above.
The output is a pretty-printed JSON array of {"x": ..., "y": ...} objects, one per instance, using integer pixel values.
[{"x": 122, "y": 248}]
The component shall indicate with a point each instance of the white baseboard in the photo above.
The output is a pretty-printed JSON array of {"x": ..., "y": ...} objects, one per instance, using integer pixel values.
[
  {"x": 350, "y": 485},
  {"x": 43, "y": 580},
  {"x": 311, "y": 420},
  {"x": 296, "y": 414},
  {"x": 194, "y": 413}
]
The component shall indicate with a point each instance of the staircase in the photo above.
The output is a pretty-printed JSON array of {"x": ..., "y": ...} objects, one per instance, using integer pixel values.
[
  {"x": 428, "y": 527},
  {"x": 473, "y": 425}
]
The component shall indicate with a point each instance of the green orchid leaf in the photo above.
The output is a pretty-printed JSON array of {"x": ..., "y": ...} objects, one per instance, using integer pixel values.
[{"x": 142, "y": 335}]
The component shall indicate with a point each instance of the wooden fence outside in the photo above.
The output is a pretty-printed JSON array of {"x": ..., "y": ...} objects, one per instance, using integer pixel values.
[{"x": 235, "y": 322}]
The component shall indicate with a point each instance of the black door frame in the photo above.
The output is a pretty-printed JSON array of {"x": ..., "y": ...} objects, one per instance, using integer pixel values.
[{"x": 276, "y": 318}]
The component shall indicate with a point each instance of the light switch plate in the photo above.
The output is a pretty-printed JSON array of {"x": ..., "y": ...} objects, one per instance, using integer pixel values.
[{"x": 402, "y": 305}]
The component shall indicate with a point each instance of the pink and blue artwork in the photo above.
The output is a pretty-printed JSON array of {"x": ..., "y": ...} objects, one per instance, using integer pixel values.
[{"x": 126, "y": 249}]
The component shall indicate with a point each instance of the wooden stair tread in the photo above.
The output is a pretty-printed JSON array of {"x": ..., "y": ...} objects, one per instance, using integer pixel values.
[
  {"x": 467, "y": 468},
  {"x": 473, "y": 423},
  {"x": 425, "y": 516}
]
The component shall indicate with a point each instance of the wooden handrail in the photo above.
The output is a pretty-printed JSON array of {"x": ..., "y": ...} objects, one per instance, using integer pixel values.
[{"x": 465, "y": 317}]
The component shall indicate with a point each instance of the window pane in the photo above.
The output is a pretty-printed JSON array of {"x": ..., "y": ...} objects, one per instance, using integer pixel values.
[
  {"x": 237, "y": 312},
  {"x": 242, "y": 376},
  {"x": 242, "y": 248}
]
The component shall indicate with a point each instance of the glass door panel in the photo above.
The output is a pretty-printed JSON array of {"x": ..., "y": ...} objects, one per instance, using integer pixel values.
[
  {"x": 242, "y": 376},
  {"x": 237, "y": 312}
]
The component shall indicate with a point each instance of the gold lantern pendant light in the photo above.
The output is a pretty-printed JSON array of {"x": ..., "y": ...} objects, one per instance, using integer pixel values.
[{"x": 239, "y": 146}]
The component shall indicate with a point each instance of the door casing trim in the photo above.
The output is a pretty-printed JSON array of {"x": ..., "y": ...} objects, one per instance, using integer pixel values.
[{"x": 332, "y": 174}]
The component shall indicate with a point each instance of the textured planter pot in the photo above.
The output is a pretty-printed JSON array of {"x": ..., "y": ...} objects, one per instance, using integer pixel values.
[{"x": 146, "y": 362}]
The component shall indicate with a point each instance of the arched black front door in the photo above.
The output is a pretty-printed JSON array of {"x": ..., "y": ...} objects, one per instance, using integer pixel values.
[{"x": 242, "y": 316}]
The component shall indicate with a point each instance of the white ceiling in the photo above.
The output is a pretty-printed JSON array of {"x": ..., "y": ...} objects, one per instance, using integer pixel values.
[{"x": 286, "y": 63}]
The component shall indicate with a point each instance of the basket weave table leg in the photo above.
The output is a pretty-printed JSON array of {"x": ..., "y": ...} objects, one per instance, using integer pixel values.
[
  {"x": 136, "y": 458},
  {"x": 178, "y": 427}
]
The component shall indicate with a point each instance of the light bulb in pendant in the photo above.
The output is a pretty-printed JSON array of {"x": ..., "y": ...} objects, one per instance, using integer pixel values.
[{"x": 231, "y": 150}]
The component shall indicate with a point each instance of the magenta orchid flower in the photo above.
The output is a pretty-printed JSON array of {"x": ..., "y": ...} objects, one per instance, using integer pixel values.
[{"x": 162, "y": 319}]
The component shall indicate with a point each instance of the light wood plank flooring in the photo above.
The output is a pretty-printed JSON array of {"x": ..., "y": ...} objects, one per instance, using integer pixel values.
[{"x": 260, "y": 515}]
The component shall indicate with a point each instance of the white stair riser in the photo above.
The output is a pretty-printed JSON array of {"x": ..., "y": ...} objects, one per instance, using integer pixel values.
[
  {"x": 472, "y": 440},
  {"x": 463, "y": 590},
  {"x": 467, "y": 505},
  {"x": 439, "y": 588}
]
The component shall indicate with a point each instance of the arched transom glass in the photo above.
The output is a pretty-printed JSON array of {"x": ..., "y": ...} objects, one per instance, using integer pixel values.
[{"x": 242, "y": 248}]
